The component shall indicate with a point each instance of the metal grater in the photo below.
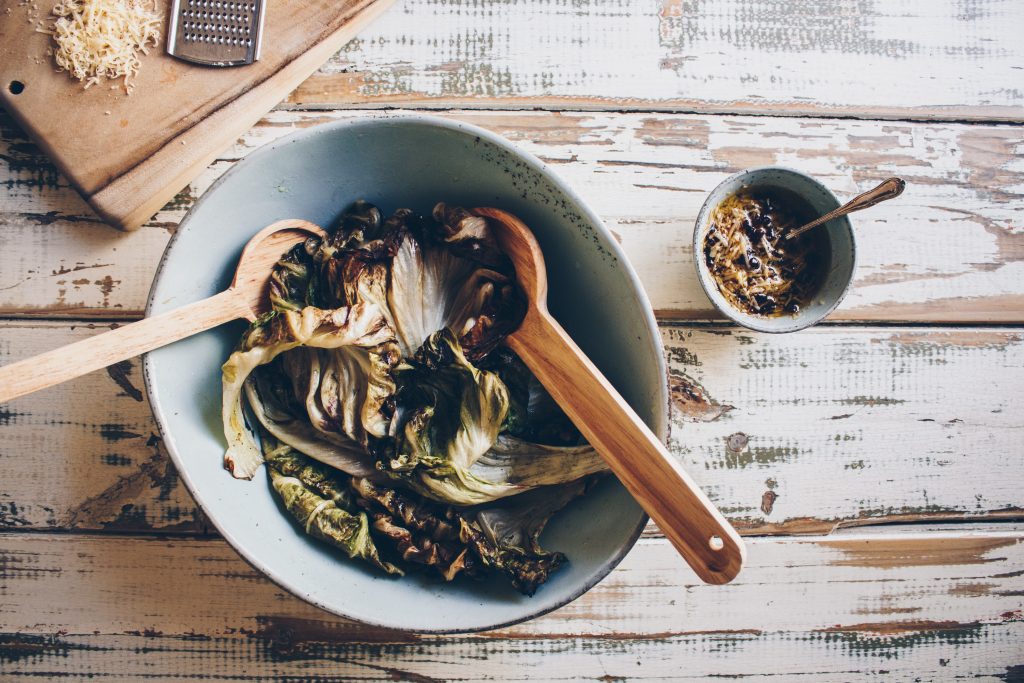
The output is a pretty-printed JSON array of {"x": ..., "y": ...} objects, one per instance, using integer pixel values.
[{"x": 216, "y": 32}]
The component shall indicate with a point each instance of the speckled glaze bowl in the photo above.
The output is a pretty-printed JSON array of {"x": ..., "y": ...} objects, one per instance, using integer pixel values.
[
  {"x": 399, "y": 162},
  {"x": 842, "y": 253}
]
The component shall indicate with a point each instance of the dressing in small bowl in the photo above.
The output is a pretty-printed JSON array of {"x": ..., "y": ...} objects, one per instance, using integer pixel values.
[{"x": 749, "y": 269}]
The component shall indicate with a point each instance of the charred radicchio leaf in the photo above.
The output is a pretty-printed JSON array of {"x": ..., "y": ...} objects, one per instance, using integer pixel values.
[
  {"x": 272, "y": 335},
  {"x": 395, "y": 425},
  {"x": 322, "y": 515}
]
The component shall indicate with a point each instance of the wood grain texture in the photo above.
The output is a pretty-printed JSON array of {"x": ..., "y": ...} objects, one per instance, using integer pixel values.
[
  {"x": 129, "y": 154},
  {"x": 108, "y": 570},
  {"x": 838, "y": 415},
  {"x": 938, "y": 654},
  {"x": 951, "y": 249},
  {"x": 787, "y": 434},
  {"x": 862, "y": 58},
  {"x": 938, "y": 605},
  {"x": 97, "y": 459}
]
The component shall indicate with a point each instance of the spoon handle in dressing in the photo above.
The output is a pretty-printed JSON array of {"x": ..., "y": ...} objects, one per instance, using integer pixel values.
[
  {"x": 887, "y": 189},
  {"x": 638, "y": 458}
]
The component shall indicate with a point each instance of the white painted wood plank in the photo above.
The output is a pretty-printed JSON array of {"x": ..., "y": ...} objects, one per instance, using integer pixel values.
[
  {"x": 833, "y": 426},
  {"x": 837, "y": 415},
  {"x": 951, "y": 249},
  {"x": 923, "y": 58},
  {"x": 81, "y": 604},
  {"x": 849, "y": 582},
  {"x": 86, "y": 454},
  {"x": 984, "y": 653}
]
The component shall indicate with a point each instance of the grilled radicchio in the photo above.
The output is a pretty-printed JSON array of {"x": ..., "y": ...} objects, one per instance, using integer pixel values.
[{"x": 393, "y": 423}]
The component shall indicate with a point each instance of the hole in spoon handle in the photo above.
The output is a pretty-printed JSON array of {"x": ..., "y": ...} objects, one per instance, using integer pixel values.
[
  {"x": 704, "y": 538},
  {"x": 633, "y": 452}
]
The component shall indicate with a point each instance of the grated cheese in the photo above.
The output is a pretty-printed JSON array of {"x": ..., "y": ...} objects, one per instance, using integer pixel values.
[{"x": 101, "y": 39}]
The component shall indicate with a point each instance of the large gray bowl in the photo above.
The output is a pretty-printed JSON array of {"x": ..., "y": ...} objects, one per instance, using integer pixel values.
[{"x": 399, "y": 162}]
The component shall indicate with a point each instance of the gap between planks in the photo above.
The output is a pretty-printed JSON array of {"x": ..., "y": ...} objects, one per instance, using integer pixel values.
[{"x": 444, "y": 105}]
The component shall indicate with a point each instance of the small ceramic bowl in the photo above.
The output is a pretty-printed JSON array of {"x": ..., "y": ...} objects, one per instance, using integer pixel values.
[{"x": 842, "y": 252}]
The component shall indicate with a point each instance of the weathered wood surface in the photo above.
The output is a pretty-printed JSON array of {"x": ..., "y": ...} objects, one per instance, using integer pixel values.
[
  {"x": 934, "y": 605},
  {"x": 980, "y": 652},
  {"x": 950, "y": 249},
  {"x": 864, "y": 58},
  {"x": 850, "y": 417},
  {"x": 107, "y": 568},
  {"x": 89, "y": 449},
  {"x": 788, "y": 434}
]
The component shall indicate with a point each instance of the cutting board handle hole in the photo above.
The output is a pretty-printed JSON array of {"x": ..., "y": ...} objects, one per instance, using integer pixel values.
[{"x": 16, "y": 87}]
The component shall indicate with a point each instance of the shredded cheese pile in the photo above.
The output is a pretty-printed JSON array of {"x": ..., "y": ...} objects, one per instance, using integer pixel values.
[
  {"x": 101, "y": 39},
  {"x": 757, "y": 269}
]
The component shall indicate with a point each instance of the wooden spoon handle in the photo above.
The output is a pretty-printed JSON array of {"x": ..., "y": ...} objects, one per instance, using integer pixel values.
[
  {"x": 656, "y": 480},
  {"x": 82, "y": 357}
]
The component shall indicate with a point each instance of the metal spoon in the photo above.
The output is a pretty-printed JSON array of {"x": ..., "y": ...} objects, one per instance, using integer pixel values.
[
  {"x": 657, "y": 481},
  {"x": 893, "y": 187},
  {"x": 245, "y": 298}
]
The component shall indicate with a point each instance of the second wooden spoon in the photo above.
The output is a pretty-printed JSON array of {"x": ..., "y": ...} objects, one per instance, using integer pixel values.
[
  {"x": 656, "y": 480},
  {"x": 245, "y": 298}
]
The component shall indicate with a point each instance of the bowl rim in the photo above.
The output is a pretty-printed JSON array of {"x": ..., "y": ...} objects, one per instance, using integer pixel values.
[
  {"x": 711, "y": 289},
  {"x": 661, "y": 417}
]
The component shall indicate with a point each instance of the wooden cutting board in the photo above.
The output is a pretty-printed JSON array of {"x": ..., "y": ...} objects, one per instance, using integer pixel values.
[{"x": 129, "y": 154}]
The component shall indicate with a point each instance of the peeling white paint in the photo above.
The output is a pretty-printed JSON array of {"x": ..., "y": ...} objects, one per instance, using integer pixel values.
[
  {"x": 795, "y": 55},
  {"x": 932, "y": 254}
]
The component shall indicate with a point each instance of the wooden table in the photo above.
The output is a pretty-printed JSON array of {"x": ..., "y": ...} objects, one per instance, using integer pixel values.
[{"x": 874, "y": 462}]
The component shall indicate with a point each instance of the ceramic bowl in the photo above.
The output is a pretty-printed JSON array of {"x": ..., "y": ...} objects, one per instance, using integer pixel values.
[
  {"x": 395, "y": 162},
  {"x": 842, "y": 253}
]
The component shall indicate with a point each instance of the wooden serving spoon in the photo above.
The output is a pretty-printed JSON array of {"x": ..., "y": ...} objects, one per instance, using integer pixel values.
[
  {"x": 637, "y": 457},
  {"x": 245, "y": 298}
]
